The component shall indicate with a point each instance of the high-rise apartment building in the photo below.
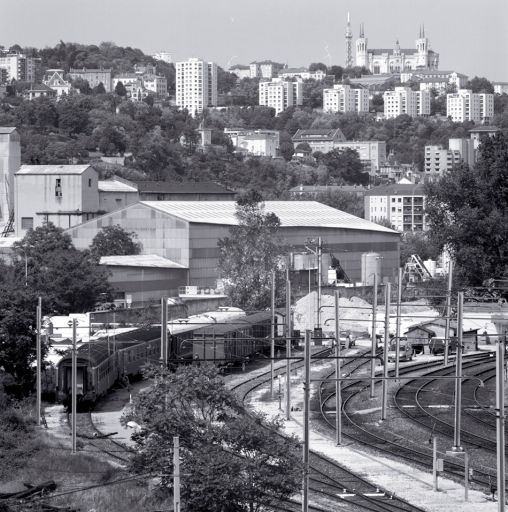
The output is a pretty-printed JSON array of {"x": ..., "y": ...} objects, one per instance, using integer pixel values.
[
  {"x": 439, "y": 160},
  {"x": 18, "y": 66},
  {"x": 280, "y": 94},
  {"x": 403, "y": 100},
  {"x": 196, "y": 85},
  {"x": 464, "y": 105},
  {"x": 342, "y": 98}
]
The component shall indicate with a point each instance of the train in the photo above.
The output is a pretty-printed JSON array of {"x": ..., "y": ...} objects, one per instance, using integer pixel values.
[{"x": 225, "y": 337}]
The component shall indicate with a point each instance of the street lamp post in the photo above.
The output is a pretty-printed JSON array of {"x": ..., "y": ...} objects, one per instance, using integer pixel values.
[{"x": 374, "y": 342}]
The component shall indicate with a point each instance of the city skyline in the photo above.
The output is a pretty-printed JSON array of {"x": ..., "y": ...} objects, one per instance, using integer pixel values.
[{"x": 238, "y": 33}]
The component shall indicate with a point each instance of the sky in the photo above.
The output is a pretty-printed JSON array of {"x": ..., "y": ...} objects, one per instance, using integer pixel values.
[{"x": 471, "y": 36}]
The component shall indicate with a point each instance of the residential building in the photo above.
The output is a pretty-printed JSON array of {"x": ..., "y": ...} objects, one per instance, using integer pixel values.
[
  {"x": 141, "y": 84},
  {"x": 439, "y": 160},
  {"x": 500, "y": 87},
  {"x": 65, "y": 195},
  {"x": 241, "y": 71},
  {"x": 54, "y": 79},
  {"x": 38, "y": 90},
  {"x": 464, "y": 105},
  {"x": 400, "y": 204},
  {"x": 94, "y": 77},
  {"x": 403, "y": 100},
  {"x": 435, "y": 79},
  {"x": 302, "y": 73},
  {"x": 196, "y": 85},
  {"x": 163, "y": 56},
  {"x": 479, "y": 133},
  {"x": 322, "y": 140},
  {"x": 265, "y": 69},
  {"x": 182, "y": 191},
  {"x": 255, "y": 142},
  {"x": 187, "y": 233},
  {"x": 342, "y": 98},
  {"x": 10, "y": 162},
  {"x": 464, "y": 148},
  {"x": 372, "y": 153},
  {"x": 396, "y": 60},
  {"x": 18, "y": 67},
  {"x": 280, "y": 94}
]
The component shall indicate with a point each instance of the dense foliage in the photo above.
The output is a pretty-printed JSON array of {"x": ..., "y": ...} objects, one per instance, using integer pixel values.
[
  {"x": 229, "y": 460},
  {"x": 467, "y": 213},
  {"x": 249, "y": 255},
  {"x": 45, "y": 265},
  {"x": 114, "y": 241}
]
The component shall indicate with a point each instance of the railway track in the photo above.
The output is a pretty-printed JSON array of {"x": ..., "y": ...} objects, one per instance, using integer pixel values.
[
  {"x": 330, "y": 482},
  {"x": 391, "y": 443}
]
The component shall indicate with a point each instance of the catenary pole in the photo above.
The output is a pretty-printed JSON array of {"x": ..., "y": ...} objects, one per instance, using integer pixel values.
[
  {"x": 458, "y": 373},
  {"x": 397, "y": 328},
  {"x": 272, "y": 335},
  {"x": 164, "y": 331},
  {"x": 39, "y": 360},
  {"x": 373, "y": 336},
  {"x": 176, "y": 473},
  {"x": 388, "y": 290},
  {"x": 288, "y": 348},
  {"x": 306, "y": 441},
  {"x": 74, "y": 386},
  {"x": 338, "y": 384},
  {"x": 500, "y": 424},
  {"x": 448, "y": 312},
  {"x": 319, "y": 258}
]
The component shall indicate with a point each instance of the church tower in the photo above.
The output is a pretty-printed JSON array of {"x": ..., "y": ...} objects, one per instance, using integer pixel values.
[
  {"x": 361, "y": 49},
  {"x": 349, "y": 45},
  {"x": 422, "y": 49}
]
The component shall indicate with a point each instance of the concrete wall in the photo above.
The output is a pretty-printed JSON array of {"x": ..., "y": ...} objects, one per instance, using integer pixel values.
[{"x": 111, "y": 201}]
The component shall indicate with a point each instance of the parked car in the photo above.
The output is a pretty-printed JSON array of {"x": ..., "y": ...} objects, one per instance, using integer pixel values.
[{"x": 406, "y": 352}]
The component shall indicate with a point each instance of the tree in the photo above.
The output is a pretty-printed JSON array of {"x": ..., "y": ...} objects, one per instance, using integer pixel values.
[
  {"x": 114, "y": 241},
  {"x": 467, "y": 213},
  {"x": 315, "y": 66},
  {"x": 68, "y": 280},
  {"x": 348, "y": 202},
  {"x": 345, "y": 167},
  {"x": 230, "y": 460},
  {"x": 99, "y": 89},
  {"x": 120, "y": 89},
  {"x": 417, "y": 242},
  {"x": 249, "y": 255},
  {"x": 480, "y": 85}
]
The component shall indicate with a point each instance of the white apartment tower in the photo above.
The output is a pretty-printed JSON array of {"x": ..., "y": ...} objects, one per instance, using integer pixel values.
[
  {"x": 280, "y": 94},
  {"x": 342, "y": 98},
  {"x": 196, "y": 85},
  {"x": 403, "y": 100},
  {"x": 464, "y": 105}
]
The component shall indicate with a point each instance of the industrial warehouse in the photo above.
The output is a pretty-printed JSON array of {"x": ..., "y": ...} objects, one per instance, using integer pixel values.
[{"x": 184, "y": 234}]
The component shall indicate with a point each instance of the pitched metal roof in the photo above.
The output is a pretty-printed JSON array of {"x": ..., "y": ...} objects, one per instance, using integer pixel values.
[
  {"x": 400, "y": 189},
  {"x": 53, "y": 169},
  {"x": 290, "y": 213},
  {"x": 115, "y": 186},
  {"x": 189, "y": 187},
  {"x": 5, "y": 130},
  {"x": 139, "y": 260}
]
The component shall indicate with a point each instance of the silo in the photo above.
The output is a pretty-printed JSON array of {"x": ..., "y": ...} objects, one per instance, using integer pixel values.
[
  {"x": 430, "y": 265},
  {"x": 371, "y": 264}
]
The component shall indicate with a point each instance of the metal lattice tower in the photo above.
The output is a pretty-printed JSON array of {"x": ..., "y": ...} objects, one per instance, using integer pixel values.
[{"x": 349, "y": 45}]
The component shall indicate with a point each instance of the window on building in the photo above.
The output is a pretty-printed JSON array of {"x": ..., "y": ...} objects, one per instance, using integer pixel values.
[
  {"x": 89, "y": 182},
  {"x": 27, "y": 222},
  {"x": 58, "y": 187}
]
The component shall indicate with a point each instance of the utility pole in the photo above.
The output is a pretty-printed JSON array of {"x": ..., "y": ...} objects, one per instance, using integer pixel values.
[
  {"x": 164, "y": 331},
  {"x": 306, "y": 441},
  {"x": 338, "y": 384},
  {"x": 500, "y": 424},
  {"x": 74, "y": 386},
  {"x": 319, "y": 261},
  {"x": 288, "y": 348},
  {"x": 458, "y": 374},
  {"x": 39, "y": 360},
  {"x": 176, "y": 473},
  {"x": 448, "y": 312},
  {"x": 272, "y": 335},
  {"x": 397, "y": 329},
  {"x": 388, "y": 290},
  {"x": 374, "y": 342},
  {"x": 434, "y": 462}
]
